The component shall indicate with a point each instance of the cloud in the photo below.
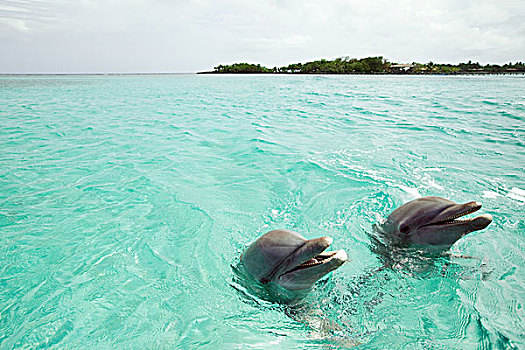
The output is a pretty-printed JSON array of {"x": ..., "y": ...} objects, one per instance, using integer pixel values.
[
  {"x": 14, "y": 24},
  {"x": 278, "y": 42},
  {"x": 163, "y": 35}
]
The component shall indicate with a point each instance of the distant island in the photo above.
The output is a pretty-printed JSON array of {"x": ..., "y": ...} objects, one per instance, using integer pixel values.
[{"x": 370, "y": 65}]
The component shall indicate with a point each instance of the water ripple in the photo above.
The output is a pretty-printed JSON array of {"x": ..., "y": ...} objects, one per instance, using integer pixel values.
[{"x": 125, "y": 202}]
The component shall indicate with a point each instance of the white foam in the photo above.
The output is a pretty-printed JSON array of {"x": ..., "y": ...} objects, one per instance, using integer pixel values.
[
  {"x": 518, "y": 191},
  {"x": 431, "y": 169},
  {"x": 516, "y": 197},
  {"x": 434, "y": 184},
  {"x": 412, "y": 191},
  {"x": 491, "y": 194}
]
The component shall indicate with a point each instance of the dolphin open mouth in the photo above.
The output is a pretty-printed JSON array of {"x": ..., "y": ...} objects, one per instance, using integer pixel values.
[
  {"x": 455, "y": 216},
  {"x": 313, "y": 259},
  {"x": 432, "y": 222},
  {"x": 288, "y": 259},
  {"x": 323, "y": 258}
]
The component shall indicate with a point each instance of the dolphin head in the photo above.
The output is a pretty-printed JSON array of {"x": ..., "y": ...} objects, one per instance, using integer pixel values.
[
  {"x": 433, "y": 221},
  {"x": 288, "y": 259}
]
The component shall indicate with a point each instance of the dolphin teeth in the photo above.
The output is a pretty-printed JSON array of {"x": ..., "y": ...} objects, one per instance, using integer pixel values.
[
  {"x": 312, "y": 261},
  {"x": 317, "y": 260},
  {"x": 455, "y": 218},
  {"x": 452, "y": 221}
]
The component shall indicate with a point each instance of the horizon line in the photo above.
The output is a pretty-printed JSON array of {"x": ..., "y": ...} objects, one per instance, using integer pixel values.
[{"x": 96, "y": 73}]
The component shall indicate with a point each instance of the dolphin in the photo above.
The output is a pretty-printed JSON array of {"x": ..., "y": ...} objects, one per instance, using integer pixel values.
[
  {"x": 433, "y": 222},
  {"x": 287, "y": 259}
]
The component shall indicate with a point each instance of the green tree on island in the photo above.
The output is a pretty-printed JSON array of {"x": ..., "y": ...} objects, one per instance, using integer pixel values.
[
  {"x": 242, "y": 68},
  {"x": 372, "y": 65}
]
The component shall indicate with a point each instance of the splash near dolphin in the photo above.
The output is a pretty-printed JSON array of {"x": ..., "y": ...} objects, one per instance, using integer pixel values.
[{"x": 287, "y": 259}]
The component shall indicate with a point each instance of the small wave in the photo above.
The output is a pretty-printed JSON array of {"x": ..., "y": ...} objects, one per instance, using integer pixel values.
[{"x": 517, "y": 194}]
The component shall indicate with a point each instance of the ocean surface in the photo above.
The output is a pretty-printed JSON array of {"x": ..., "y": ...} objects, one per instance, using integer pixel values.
[{"x": 126, "y": 201}]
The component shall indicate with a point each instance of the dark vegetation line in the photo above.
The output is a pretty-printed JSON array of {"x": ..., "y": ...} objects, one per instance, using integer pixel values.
[{"x": 372, "y": 65}]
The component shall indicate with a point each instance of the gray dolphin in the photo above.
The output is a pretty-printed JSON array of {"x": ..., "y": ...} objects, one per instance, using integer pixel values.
[
  {"x": 432, "y": 221},
  {"x": 289, "y": 260}
]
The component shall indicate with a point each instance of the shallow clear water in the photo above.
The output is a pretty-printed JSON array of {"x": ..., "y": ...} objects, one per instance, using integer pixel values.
[{"x": 125, "y": 202}]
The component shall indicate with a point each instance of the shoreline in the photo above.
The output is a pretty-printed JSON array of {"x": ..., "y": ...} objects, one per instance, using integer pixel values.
[
  {"x": 395, "y": 74},
  {"x": 93, "y": 74}
]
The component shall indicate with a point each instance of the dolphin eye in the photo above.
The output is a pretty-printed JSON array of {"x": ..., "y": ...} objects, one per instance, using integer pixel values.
[{"x": 404, "y": 228}]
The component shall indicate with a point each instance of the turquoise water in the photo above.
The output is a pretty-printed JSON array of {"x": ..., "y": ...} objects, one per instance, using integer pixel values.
[{"x": 125, "y": 202}]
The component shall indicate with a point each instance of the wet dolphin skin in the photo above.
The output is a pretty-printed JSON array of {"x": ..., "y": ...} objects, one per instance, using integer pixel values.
[
  {"x": 432, "y": 221},
  {"x": 288, "y": 259}
]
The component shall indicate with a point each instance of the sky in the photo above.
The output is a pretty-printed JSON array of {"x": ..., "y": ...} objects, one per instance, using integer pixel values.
[{"x": 119, "y": 36}]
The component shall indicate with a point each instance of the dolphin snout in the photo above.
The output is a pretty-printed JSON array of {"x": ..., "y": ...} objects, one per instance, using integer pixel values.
[
  {"x": 325, "y": 241},
  {"x": 481, "y": 222},
  {"x": 318, "y": 245},
  {"x": 341, "y": 256}
]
